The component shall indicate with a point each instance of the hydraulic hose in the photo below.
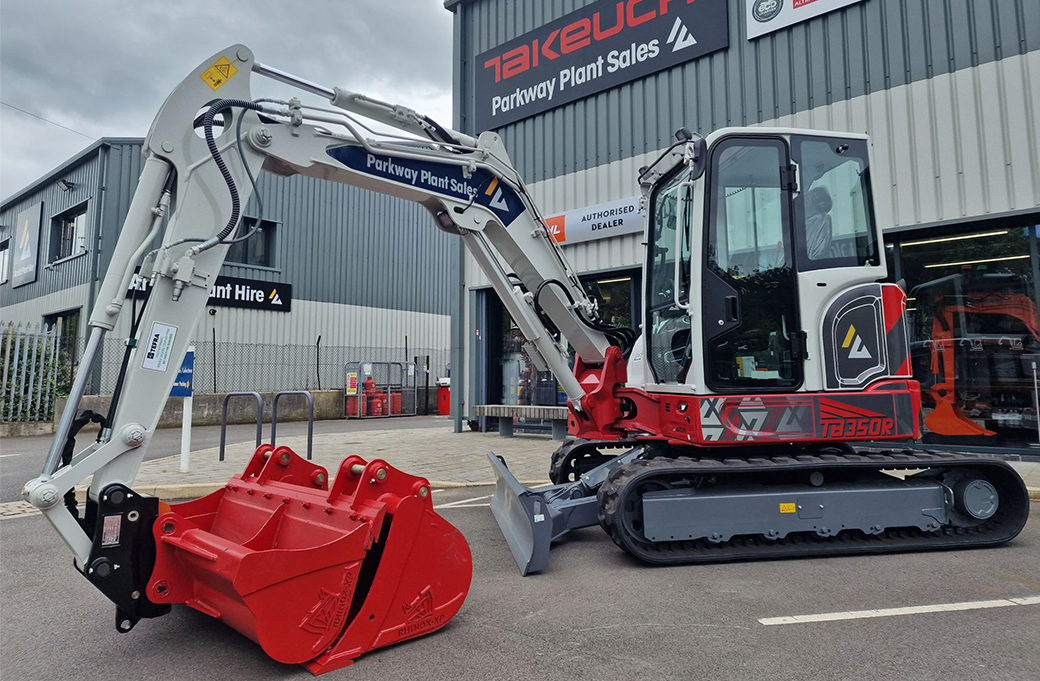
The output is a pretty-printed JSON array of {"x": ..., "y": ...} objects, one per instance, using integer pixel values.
[{"x": 211, "y": 144}]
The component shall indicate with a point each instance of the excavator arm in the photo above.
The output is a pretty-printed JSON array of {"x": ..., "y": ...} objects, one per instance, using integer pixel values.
[
  {"x": 209, "y": 141},
  {"x": 197, "y": 186}
]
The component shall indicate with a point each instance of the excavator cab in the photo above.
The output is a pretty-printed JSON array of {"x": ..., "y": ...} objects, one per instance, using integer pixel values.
[{"x": 749, "y": 234}]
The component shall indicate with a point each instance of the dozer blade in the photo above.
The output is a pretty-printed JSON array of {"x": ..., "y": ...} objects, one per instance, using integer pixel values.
[
  {"x": 522, "y": 516},
  {"x": 531, "y": 519},
  {"x": 316, "y": 576}
]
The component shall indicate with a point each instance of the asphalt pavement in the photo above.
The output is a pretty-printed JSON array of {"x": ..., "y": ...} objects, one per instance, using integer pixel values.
[
  {"x": 21, "y": 458},
  {"x": 595, "y": 614}
]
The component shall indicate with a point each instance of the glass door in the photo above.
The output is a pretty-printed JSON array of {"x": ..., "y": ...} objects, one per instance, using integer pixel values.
[
  {"x": 750, "y": 303},
  {"x": 667, "y": 328}
]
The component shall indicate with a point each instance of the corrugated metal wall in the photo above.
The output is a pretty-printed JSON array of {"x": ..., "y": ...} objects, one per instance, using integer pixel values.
[
  {"x": 334, "y": 243},
  {"x": 73, "y": 271},
  {"x": 960, "y": 145},
  {"x": 949, "y": 90},
  {"x": 867, "y": 47},
  {"x": 366, "y": 269}
]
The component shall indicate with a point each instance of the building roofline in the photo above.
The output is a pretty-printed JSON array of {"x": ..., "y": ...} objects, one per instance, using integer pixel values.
[{"x": 65, "y": 167}]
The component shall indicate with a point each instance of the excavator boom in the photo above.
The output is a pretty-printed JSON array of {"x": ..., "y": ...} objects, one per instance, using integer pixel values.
[{"x": 316, "y": 569}]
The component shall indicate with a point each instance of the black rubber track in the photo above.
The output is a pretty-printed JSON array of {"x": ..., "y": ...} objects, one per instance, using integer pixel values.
[
  {"x": 1008, "y": 521},
  {"x": 576, "y": 457}
]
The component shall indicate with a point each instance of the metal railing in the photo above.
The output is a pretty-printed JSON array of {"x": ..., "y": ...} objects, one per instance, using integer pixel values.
[
  {"x": 259, "y": 417},
  {"x": 32, "y": 356},
  {"x": 234, "y": 367},
  {"x": 310, "y": 417}
]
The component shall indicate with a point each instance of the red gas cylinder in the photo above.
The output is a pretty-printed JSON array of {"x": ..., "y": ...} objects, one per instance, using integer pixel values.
[
  {"x": 370, "y": 391},
  {"x": 444, "y": 397},
  {"x": 377, "y": 407}
]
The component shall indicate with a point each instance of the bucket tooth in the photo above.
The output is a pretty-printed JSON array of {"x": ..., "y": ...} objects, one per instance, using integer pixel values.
[{"x": 316, "y": 574}]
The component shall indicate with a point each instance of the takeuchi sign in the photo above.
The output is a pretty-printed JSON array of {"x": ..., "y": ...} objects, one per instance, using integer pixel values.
[
  {"x": 592, "y": 49},
  {"x": 601, "y": 221}
]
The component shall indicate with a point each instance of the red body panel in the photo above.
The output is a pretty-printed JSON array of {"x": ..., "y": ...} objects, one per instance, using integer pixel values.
[
  {"x": 316, "y": 576},
  {"x": 888, "y": 410}
]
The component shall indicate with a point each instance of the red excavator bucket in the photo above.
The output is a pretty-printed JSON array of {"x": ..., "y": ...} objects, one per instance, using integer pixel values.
[{"x": 315, "y": 576}]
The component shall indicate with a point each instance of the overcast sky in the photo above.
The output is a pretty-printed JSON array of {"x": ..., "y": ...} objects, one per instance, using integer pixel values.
[{"x": 103, "y": 67}]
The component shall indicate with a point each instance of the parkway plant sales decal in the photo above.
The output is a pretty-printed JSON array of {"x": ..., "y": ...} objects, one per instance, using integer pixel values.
[
  {"x": 766, "y": 16},
  {"x": 590, "y": 50}
]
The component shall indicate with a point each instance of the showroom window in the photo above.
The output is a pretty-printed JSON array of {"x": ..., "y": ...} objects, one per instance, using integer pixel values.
[
  {"x": 974, "y": 333},
  {"x": 509, "y": 375}
]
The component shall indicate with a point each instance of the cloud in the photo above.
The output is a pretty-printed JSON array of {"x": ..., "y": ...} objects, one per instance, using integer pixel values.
[{"x": 104, "y": 67}]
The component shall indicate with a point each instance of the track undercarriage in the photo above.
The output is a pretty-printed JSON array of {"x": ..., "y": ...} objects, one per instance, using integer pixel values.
[{"x": 668, "y": 505}]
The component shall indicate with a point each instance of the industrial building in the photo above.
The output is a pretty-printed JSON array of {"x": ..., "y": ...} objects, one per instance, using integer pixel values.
[
  {"x": 334, "y": 275},
  {"x": 584, "y": 93}
]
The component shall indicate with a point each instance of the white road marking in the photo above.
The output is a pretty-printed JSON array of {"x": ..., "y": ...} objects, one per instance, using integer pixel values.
[
  {"x": 896, "y": 612},
  {"x": 4, "y": 456},
  {"x": 460, "y": 502}
]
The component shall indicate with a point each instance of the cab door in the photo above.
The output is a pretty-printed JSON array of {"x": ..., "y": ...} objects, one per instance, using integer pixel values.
[{"x": 753, "y": 340}]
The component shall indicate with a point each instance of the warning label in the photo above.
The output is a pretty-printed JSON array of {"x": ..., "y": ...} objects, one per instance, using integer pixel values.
[
  {"x": 110, "y": 528},
  {"x": 218, "y": 74},
  {"x": 159, "y": 347}
]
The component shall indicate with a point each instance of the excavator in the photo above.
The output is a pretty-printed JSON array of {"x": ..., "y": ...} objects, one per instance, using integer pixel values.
[
  {"x": 994, "y": 316},
  {"x": 763, "y": 354}
]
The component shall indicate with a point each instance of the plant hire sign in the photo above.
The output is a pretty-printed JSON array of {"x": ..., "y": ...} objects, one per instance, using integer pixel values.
[
  {"x": 590, "y": 50},
  {"x": 235, "y": 292}
]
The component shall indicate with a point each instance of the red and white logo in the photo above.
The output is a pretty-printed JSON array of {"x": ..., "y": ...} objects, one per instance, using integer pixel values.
[{"x": 557, "y": 227}]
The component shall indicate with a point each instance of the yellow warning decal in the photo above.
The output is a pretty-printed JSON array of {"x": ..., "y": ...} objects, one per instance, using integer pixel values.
[
  {"x": 788, "y": 508},
  {"x": 218, "y": 74},
  {"x": 849, "y": 336}
]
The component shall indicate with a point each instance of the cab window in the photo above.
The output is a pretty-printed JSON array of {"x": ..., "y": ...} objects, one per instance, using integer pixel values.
[{"x": 833, "y": 210}]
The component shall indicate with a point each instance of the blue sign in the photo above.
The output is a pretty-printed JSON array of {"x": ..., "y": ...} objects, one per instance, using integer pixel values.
[
  {"x": 182, "y": 384},
  {"x": 482, "y": 187}
]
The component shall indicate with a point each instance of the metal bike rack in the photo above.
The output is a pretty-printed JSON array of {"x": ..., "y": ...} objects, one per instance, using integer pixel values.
[
  {"x": 259, "y": 417},
  {"x": 310, "y": 417}
]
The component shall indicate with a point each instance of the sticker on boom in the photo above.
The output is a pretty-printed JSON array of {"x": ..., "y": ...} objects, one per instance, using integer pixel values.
[
  {"x": 788, "y": 508},
  {"x": 218, "y": 74}
]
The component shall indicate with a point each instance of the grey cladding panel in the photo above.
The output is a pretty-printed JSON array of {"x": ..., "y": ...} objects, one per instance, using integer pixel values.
[
  {"x": 334, "y": 243},
  {"x": 866, "y": 47},
  {"x": 68, "y": 273}
]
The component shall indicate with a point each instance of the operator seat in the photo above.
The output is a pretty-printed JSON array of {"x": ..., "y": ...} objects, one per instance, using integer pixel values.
[{"x": 819, "y": 231}]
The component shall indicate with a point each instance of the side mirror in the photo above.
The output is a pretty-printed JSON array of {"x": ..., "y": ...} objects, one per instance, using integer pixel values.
[{"x": 697, "y": 151}]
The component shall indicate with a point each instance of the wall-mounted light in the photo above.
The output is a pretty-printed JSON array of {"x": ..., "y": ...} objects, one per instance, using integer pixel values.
[
  {"x": 976, "y": 262},
  {"x": 65, "y": 185},
  {"x": 943, "y": 240}
]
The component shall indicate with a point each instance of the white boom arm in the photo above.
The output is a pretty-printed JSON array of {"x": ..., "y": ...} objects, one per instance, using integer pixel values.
[{"x": 467, "y": 184}]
